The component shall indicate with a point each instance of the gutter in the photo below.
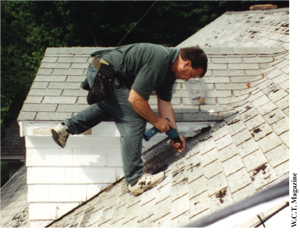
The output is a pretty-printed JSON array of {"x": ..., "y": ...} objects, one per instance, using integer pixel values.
[{"x": 270, "y": 193}]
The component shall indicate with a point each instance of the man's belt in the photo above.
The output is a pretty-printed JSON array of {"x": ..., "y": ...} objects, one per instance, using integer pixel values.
[{"x": 98, "y": 63}]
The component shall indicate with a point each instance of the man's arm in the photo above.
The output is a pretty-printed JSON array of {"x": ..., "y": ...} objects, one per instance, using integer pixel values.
[
  {"x": 142, "y": 107},
  {"x": 165, "y": 110}
]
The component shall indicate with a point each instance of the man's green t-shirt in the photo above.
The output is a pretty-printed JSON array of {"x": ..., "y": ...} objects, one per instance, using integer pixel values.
[{"x": 145, "y": 67}]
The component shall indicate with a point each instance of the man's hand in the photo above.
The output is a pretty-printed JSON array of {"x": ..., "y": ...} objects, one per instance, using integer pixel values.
[
  {"x": 166, "y": 110},
  {"x": 178, "y": 146},
  {"x": 142, "y": 107},
  {"x": 163, "y": 125}
]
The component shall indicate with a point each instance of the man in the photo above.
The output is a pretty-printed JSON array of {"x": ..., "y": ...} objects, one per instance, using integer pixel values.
[{"x": 140, "y": 69}]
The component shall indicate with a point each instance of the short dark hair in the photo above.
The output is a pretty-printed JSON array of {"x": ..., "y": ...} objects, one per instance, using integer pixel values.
[{"x": 197, "y": 56}]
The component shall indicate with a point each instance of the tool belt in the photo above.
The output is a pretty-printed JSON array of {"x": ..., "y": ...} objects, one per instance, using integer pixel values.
[{"x": 99, "y": 82}]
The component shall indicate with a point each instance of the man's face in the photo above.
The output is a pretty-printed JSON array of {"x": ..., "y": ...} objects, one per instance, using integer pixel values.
[{"x": 186, "y": 72}]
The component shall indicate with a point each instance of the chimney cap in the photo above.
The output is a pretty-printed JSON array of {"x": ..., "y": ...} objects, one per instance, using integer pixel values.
[{"x": 263, "y": 7}]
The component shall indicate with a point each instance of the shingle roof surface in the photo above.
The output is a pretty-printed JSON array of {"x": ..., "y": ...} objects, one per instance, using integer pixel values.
[
  {"x": 14, "y": 205},
  {"x": 247, "y": 92},
  {"x": 245, "y": 29}
]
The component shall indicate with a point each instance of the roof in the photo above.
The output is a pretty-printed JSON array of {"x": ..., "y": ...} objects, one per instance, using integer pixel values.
[
  {"x": 56, "y": 92},
  {"x": 14, "y": 205},
  {"x": 244, "y": 149}
]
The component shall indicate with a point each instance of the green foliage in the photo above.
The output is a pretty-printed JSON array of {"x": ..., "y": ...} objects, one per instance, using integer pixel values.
[{"x": 17, "y": 67}]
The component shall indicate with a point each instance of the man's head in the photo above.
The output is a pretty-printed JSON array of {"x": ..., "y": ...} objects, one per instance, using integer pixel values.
[{"x": 191, "y": 63}]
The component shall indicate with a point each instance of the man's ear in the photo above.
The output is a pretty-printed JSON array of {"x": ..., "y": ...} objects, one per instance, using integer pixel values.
[{"x": 187, "y": 63}]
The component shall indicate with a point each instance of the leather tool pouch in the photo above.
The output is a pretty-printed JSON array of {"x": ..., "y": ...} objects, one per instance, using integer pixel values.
[{"x": 102, "y": 87}]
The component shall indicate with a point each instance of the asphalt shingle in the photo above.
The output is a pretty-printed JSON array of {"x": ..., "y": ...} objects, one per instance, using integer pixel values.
[
  {"x": 245, "y": 149},
  {"x": 14, "y": 205}
]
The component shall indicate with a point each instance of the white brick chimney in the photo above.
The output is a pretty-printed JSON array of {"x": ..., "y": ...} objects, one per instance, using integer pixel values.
[{"x": 58, "y": 178}]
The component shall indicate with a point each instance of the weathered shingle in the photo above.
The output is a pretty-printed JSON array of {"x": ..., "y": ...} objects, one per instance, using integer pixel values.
[
  {"x": 14, "y": 205},
  {"x": 244, "y": 147}
]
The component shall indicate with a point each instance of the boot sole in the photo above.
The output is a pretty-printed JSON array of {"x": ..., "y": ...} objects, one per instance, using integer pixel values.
[
  {"x": 55, "y": 137},
  {"x": 138, "y": 193}
]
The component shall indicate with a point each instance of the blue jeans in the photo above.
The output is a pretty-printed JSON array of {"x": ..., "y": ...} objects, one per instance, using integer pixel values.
[{"x": 130, "y": 125}]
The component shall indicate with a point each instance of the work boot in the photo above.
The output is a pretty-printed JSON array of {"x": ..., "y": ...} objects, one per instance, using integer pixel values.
[
  {"x": 146, "y": 182},
  {"x": 60, "y": 134}
]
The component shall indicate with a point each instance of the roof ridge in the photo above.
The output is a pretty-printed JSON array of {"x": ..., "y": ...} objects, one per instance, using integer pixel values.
[
  {"x": 240, "y": 50},
  {"x": 73, "y": 50},
  {"x": 259, "y": 11}
]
